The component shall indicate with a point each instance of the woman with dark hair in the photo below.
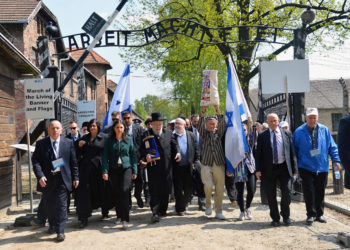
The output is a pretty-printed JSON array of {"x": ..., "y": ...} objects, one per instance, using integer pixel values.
[
  {"x": 120, "y": 166},
  {"x": 91, "y": 194},
  {"x": 245, "y": 174}
]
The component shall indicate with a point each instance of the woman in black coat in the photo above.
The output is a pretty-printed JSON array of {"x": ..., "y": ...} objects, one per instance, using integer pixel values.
[{"x": 93, "y": 191}]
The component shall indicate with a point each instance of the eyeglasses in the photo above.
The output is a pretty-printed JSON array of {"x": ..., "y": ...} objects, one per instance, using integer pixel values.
[
  {"x": 73, "y": 128},
  {"x": 114, "y": 119}
]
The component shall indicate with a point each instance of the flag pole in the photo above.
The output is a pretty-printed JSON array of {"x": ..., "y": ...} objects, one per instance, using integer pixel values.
[{"x": 30, "y": 169}]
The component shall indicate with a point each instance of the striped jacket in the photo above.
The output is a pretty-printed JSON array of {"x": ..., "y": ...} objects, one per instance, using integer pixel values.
[{"x": 211, "y": 143}]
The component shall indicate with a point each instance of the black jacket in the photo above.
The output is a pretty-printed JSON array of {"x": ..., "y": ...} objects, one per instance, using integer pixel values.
[
  {"x": 42, "y": 162},
  {"x": 344, "y": 147},
  {"x": 264, "y": 155},
  {"x": 192, "y": 150}
]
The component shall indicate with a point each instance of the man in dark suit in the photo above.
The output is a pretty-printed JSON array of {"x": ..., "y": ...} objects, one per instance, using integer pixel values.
[
  {"x": 114, "y": 116},
  {"x": 276, "y": 161},
  {"x": 159, "y": 169},
  {"x": 73, "y": 131},
  {"x": 344, "y": 147},
  {"x": 183, "y": 170},
  {"x": 198, "y": 187},
  {"x": 135, "y": 131},
  {"x": 55, "y": 164}
]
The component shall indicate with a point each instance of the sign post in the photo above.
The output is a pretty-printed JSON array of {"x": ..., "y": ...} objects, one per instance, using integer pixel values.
[{"x": 39, "y": 104}]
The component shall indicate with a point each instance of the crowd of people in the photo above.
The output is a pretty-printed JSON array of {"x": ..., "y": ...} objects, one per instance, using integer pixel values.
[{"x": 182, "y": 160}]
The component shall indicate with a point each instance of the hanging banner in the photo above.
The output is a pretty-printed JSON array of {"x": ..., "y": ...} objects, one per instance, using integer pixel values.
[
  {"x": 86, "y": 110},
  {"x": 39, "y": 102},
  {"x": 210, "y": 90}
]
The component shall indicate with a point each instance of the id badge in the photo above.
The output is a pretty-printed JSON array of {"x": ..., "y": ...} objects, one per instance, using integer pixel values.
[
  {"x": 315, "y": 152},
  {"x": 57, "y": 164}
]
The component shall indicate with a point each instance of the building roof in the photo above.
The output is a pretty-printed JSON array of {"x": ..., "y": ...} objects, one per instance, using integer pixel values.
[
  {"x": 111, "y": 85},
  {"x": 15, "y": 58},
  {"x": 19, "y": 11},
  {"x": 325, "y": 94},
  {"x": 92, "y": 58}
]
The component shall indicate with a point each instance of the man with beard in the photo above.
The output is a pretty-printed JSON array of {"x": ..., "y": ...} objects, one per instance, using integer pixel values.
[
  {"x": 182, "y": 170},
  {"x": 158, "y": 148}
]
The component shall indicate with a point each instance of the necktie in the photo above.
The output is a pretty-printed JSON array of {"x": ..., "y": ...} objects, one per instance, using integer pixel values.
[
  {"x": 275, "y": 153},
  {"x": 54, "y": 145}
]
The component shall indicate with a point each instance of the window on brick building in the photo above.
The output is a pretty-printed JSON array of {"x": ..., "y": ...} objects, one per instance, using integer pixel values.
[
  {"x": 71, "y": 88},
  {"x": 335, "y": 121}
]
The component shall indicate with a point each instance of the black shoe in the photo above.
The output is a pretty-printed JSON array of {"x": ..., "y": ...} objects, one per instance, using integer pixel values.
[
  {"x": 155, "y": 218},
  {"x": 201, "y": 207},
  {"x": 104, "y": 217},
  {"x": 162, "y": 214},
  {"x": 83, "y": 223},
  {"x": 37, "y": 223},
  {"x": 51, "y": 230},
  {"x": 140, "y": 202},
  {"x": 321, "y": 219},
  {"x": 60, "y": 237},
  {"x": 180, "y": 213},
  {"x": 275, "y": 223},
  {"x": 287, "y": 222},
  {"x": 310, "y": 220}
]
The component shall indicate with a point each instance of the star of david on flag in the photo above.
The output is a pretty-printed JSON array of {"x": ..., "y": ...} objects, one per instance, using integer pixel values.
[
  {"x": 121, "y": 97},
  {"x": 237, "y": 111}
]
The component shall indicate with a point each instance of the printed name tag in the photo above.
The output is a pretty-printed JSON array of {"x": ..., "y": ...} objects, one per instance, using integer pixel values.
[
  {"x": 58, "y": 163},
  {"x": 315, "y": 152}
]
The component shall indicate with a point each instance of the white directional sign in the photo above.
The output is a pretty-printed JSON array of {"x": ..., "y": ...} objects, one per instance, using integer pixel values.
[
  {"x": 86, "y": 110},
  {"x": 39, "y": 103}
]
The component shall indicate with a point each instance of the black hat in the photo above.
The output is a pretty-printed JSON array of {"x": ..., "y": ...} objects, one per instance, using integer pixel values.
[
  {"x": 148, "y": 121},
  {"x": 157, "y": 117}
]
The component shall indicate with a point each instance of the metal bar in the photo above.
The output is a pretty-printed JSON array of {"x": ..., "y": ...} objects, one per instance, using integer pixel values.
[
  {"x": 30, "y": 169},
  {"x": 90, "y": 47}
]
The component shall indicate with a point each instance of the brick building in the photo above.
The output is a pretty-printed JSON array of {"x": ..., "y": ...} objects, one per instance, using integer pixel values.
[
  {"x": 23, "y": 22},
  {"x": 13, "y": 65},
  {"x": 96, "y": 64}
]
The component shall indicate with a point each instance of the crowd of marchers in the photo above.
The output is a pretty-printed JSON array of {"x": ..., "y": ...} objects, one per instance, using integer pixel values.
[{"x": 103, "y": 168}]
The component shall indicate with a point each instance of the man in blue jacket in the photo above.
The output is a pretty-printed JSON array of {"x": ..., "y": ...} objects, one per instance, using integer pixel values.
[{"x": 313, "y": 143}]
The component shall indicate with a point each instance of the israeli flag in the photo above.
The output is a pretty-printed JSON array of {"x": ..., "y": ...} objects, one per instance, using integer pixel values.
[
  {"x": 236, "y": 112},
  {"x": 121, "y": 97}
]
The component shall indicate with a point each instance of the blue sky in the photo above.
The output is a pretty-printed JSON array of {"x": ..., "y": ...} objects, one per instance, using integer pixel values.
[{"x": 72, "y": 14}]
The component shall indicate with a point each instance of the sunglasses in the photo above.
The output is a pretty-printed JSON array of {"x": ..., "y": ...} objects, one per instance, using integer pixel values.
[
  {"x": 114, "y": 119},
  {"x": 74, "y": 128}
]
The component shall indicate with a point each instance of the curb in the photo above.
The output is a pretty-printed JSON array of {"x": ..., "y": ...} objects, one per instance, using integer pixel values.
[{"x": 337, "y": 208}]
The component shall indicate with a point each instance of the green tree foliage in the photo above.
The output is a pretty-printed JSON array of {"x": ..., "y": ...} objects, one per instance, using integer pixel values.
[
  {"x": 152, "y": 103},
  {"x": 182, "y": 59},
  {"x": 140, "y": 109}
]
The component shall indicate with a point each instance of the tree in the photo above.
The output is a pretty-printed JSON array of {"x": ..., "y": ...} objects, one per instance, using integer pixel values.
[
  {"x": 183, "y": 59},
  {"x": 140, "y": 109},
  {"x": 152, "y": 103}
]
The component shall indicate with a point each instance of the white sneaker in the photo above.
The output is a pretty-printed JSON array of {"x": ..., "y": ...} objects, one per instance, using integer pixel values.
[
  {"x": 208, "y": 211},
  {"x": 117, "y": 221},
  {"x": 241, "y": 216},
  {"x": 124, "y": 225},
  {"x": 249, "y": 214},
  {"x": 220, "y": 216}
]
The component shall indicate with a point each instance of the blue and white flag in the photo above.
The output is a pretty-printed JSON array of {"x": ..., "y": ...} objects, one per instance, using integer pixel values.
[
  {"x": 121, "y": 97},
  {"x": 236, "y": 112}
]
